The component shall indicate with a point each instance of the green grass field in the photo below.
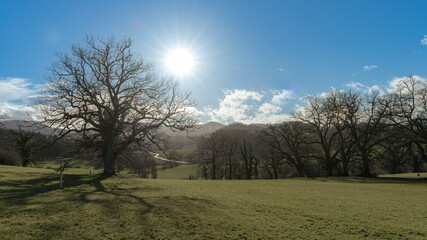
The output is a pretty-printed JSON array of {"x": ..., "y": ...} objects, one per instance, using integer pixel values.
[
  {"x": 405, "y": 175},
  {"x": 179, "y": 172},
  {"x": 32, "y": 207}
]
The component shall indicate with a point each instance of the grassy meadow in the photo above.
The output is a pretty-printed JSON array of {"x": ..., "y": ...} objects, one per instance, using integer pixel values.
[
  {"x": 178, "y": 172},
  {"x": 123, "y": 207}
]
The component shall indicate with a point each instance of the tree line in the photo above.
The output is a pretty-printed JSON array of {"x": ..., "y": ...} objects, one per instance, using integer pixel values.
[{"x": 341, "y": 133}]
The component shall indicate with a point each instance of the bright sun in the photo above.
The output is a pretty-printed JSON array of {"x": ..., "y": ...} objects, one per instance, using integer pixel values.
[{"x": 180, "y": 62}]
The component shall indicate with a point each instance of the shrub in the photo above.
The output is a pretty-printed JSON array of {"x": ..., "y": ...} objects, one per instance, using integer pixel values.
[{"x": 10, "y": 158}]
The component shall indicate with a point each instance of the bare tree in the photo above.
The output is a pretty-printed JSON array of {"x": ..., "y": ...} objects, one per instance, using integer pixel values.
[
  {"x": 365, "y": 117},
  {"x": 290, "y": 140},
  {"x": 321, "y": 118},
  {"x": 248, "y": 157},
  {"x": 231, "y": 147},
  {"x": 335, "y": 103},
  {"x": 211, "y": 148},
  {"x": 394, "y": 152},
  {"x": 108, "y": 95},
  {"x": 273, "y": 162},
  {"x": 408, "y": 111},
  {"x": 2, "y": 117}
]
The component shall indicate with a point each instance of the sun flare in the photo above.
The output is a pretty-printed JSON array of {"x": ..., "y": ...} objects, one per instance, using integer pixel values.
[{"x": 180, "y": 62}]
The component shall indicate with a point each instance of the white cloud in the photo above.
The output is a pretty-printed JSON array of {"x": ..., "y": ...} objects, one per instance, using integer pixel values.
[
  {"x": 247, "y": 107},
  {"x": 355, "y": 85},
  {"x": 280, "y": 97},
  {"x": 268, "y": 118},
  {"x": 394, "y": 84},
  {"x": 366, "y": 89},
  {"x": 268, "y": 108},
  {"x": 234, "y": 106},
  {"x": 323, "y": 94},
  {"x": 17, "y": 97},
  {"x": 16, "y": 111},
  {"x": 369, "y": 67},
  {"x": 193, "y": 111},
  {"x": 424, "y": 40},
  {"x": 12, "y": 89},
  {"x": 375, "y": 88},
  {"x": 391, "y": 87},
  {"x": 280, "y": 69}
]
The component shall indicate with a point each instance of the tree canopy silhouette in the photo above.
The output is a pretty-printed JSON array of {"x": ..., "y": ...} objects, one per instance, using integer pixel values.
[{"x": 109, "y": 96}]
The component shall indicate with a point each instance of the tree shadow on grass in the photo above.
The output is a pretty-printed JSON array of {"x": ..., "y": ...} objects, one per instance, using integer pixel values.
[
  {"x": 19, "y": 191},
  {"x": 30, "y": 198},
  {"x": 377, "y": 180}
]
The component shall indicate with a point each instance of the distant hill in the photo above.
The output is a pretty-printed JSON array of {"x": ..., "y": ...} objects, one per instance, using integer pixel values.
[
  {"x": 200, "y": 129},
  {"x": 178, "y": 139},
  {"x": 27, "y": 125}
]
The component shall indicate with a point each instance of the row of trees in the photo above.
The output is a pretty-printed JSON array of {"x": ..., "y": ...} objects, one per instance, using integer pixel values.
[
  {"x": 25, "y": 147},
  {"x": 29, "y": 147},
  {"x": 340, "y": 133}
]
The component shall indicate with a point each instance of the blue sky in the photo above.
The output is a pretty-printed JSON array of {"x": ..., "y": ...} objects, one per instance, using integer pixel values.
[{"x": 255, "y": 59}]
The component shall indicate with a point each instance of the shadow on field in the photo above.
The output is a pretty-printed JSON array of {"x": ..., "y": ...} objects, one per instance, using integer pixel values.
[
  {"x": 37, "y": 200},
  {"x": 19, "y": 191},
  {"x": 380, "y": 180}
]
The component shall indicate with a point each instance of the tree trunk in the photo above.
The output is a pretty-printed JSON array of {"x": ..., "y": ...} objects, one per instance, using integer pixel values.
[
  {"x": 365, "y": 160},
  {"x": 275, "y": 172},
  {"x": 329, "y": 166},
  {"x": 344, "y": 161},
  {"x": 248, "y": 170},
  {"x": 109, "y": 159},
  {"x": 301, "y": 172},
  {"x": 230, "y": 169},
  {"x": 24, "y": 162},
  {"x": 329, "y": 169},
  {"x": 213, "y": 168},
  {"x": 255, "y": 168},
  {"x": 345, "y": 168}
]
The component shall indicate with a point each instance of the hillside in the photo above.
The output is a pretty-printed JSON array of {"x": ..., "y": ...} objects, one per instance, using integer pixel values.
[
  {"x": 26, "y": 125},
  {"x": 179, "y": 139}
]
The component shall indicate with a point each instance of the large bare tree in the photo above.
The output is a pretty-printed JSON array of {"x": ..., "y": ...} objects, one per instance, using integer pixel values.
[
  {"x": 408, "y": 111},
  {"x": 365, "y": 118},
  {"x": 320, "y": 117},
  {"x": 108, "y": 95}
]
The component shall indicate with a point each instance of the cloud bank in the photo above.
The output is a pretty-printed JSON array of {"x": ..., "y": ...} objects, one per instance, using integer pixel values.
[
  {"x": 240, "y": 105},
  {"x": 17, "y": 97}
]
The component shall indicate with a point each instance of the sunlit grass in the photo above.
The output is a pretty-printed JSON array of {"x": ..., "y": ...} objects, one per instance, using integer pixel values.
[
  {"x": 406, "y": 175},
  {"x": 179, "y": 172},
  {"x": 32, "y": 207}
]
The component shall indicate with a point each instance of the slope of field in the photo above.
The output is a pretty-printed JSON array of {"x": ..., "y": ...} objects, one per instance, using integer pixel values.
[
  {"x": 405, "y": 175},
  {"x": 32, "y": 207},
  {"x": 179, "y": 172}
]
